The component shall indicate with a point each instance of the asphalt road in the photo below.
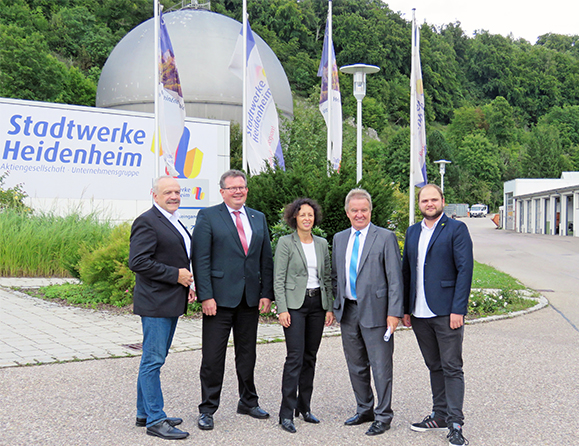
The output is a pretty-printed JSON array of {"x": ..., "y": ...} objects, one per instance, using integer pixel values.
[{"x": 548, "y": 263}]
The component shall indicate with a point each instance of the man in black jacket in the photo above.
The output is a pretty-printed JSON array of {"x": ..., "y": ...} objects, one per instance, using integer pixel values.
[
  {"x": 160, "y": 257},
  {"x": 233, "y": 268}
]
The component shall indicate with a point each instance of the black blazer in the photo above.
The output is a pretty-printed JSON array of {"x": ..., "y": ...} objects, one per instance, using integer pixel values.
[
  {"x": 222, "y": 270},
  {"x": 157, "y": 252}
]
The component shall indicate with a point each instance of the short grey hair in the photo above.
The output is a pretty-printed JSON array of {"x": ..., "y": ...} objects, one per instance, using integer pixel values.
[
  {"x": 231, "y": 174},
  {"x": 158, "y": 180},
  {"x": 357, "y": 193}
]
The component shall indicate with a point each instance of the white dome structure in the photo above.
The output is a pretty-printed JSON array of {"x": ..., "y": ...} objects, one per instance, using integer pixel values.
[{"x": 203, "y": 43}]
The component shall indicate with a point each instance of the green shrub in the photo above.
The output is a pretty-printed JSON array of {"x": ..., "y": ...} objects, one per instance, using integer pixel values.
[
  {"x": 106, "y": 268},
  {"x": 13, "y": 197},
  {"x": 274, "y": 189}
]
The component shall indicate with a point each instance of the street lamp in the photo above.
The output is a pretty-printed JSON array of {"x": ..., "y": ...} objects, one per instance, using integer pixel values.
[
  {"x": 359, "y": 71},
  {"x": 442, "y": 165}
]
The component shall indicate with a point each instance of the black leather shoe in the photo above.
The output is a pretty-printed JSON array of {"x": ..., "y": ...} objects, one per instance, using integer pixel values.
[
  {"x": 142, "y": 422},
  {"x": 287, "y": 424},
  {"x": 255, "y": 412},
  {"x": 377, "y": 428},
  {"x": 359, "y": 419},
  {"x": 205, "y": 421},
  {"x": 308, "y": 417},
  {"x": 166, "y": 431}
]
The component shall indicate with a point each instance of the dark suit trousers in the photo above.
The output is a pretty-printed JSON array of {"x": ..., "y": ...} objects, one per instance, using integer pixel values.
[
  {"x": 366, "y": 350},
  {"x": 441, "y": 348},
  {"x": 216, "y": 330},
  {"x": 303, "y": 338}
]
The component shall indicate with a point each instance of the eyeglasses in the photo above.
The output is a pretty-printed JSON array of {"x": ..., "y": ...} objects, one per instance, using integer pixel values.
[{"x": 235, "y": 189}]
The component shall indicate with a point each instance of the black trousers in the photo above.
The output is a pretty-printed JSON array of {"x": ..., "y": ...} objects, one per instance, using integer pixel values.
[
  {"x": 215, "y": 335},
  {"x": 441, "y": 348},
  {"x": 303, "y": 338}
]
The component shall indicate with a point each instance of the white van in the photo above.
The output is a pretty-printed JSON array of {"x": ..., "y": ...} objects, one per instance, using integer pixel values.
[{"x": 478, "y": 210}]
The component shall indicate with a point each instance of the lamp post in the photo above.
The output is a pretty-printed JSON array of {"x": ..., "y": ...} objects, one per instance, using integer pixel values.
[
  {"x": 359, "y": 71},
  {"x": 442, "y": 164}
]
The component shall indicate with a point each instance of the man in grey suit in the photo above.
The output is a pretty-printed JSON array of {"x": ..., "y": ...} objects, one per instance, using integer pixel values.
[{"x": 367, "y": 285}]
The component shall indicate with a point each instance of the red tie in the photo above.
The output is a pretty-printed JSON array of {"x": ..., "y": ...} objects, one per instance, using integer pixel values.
[{"x": 240, "y": 230}]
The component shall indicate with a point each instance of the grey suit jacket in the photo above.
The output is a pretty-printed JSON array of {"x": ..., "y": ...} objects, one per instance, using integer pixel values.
[
  {"x": 290, "y": 273},
  {"x": 379, "y": 285}
]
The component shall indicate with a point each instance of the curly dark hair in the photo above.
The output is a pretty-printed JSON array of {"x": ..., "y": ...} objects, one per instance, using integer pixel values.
[{"x": 291, "y": 211}]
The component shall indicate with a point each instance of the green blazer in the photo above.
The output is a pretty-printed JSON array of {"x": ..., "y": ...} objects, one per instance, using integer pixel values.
[{"x": 290, "y": 273}]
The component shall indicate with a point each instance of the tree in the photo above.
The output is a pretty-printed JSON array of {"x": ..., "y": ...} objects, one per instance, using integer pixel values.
[
  {"x": 501, "y": 124},
  {"x": 478, "y": 156},
  {"x": 466, "y": 121},
  {"x": 544, "y": 156}
]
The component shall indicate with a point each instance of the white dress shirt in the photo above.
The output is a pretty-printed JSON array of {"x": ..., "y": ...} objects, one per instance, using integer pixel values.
[
  {"x": 421, "y": 308},
  {"x": 244, "y": 221},
  {"x": 174, "y": 219}
]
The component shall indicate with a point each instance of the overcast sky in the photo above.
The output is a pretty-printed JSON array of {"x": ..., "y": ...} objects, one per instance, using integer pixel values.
[{"x": 527, "y": 19}]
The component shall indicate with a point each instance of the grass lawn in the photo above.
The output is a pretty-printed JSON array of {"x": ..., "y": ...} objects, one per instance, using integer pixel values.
[{"x": 486, "y": 276}]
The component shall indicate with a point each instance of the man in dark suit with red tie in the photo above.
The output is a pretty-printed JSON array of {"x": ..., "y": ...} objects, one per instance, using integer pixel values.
[
  {"x": 233, "y": 269},
  {"x": 159, "y": 255}
]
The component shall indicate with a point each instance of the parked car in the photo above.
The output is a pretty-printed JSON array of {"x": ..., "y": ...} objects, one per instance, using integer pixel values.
[{"x": 478, "y": 210}]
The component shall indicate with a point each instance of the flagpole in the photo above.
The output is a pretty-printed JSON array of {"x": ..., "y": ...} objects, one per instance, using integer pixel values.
[
  {"x": 413, "y": 129},
  {"x": 244, "y": 96},
  {"x": 156, "y": 133},
  {"x": 330, "y": 84}
]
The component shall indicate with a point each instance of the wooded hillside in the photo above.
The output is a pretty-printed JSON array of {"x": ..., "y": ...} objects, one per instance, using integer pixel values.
[{"x": 498, "y": 108}]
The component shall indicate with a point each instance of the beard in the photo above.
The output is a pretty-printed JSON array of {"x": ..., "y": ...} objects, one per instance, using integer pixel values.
[{"x": 434, "y": 216}]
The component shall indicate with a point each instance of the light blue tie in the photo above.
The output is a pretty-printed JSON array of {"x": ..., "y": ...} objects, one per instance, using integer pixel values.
[{"x": 354, "y": 265}]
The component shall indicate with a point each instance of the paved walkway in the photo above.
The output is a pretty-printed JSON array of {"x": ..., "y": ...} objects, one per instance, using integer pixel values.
[{"x": 35, "y": 331}]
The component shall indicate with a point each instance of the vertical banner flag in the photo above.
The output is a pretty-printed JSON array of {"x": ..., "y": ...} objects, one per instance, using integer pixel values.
[
  {"x": 417, "y": 118},
  {"x": 171, "y": 103},
  {"x": 262, "y": 121},
  {"x": 336, "y": 101}
]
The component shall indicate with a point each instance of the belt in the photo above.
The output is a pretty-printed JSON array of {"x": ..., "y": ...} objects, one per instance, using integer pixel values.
[
  {"x": 351, "y": 301},
  {"x": 313, "y": 292}
]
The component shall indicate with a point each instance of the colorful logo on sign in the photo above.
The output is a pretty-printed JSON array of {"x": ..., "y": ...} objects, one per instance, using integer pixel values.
[{"x": 187, "y": 161}]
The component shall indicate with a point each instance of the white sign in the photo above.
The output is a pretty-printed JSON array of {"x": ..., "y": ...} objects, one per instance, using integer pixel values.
[{"x": 61, "y": 151}]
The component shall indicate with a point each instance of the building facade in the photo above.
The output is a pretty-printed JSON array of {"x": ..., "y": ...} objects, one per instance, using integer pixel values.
[{"x": 542, "y": 205}]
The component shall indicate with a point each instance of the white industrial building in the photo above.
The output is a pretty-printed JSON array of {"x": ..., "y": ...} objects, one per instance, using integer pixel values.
[{"x": 542, "y": 205}]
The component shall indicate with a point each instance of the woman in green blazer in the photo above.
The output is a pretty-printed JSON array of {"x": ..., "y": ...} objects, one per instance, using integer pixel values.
[{"x": 303, "y": 295}]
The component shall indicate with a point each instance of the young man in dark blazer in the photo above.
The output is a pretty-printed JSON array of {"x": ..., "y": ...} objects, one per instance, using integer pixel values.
[
  {"x": 159, "y": 255},
  {"x": 233, "y": 269},
  {"x": 367, "y": 285},
  {"x": 437, "y": 267}
]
